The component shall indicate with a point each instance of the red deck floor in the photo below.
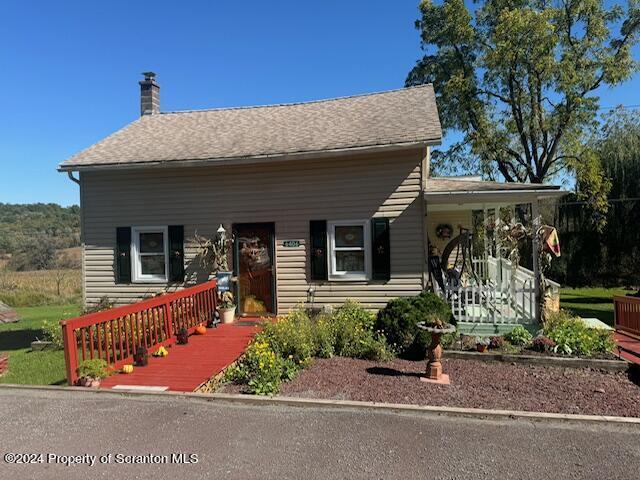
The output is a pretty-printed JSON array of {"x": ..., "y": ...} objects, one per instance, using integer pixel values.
[
  {"x": 189, "y": 366},
  {"x": 628, "y": 347}
]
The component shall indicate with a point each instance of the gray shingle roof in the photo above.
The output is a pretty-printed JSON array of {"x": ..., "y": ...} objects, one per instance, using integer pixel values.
[
  {"x": 443, "y": 185},
  {"x": 407, "y": 115}
]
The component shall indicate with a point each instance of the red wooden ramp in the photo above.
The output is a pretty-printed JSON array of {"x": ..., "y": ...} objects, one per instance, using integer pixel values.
[
  {"x": 189, "y": 366},
  {"x": 628, "y": 347}
]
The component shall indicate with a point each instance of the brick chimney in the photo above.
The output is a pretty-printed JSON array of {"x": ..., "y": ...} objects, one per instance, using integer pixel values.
[{"x": 149, "y": 94}]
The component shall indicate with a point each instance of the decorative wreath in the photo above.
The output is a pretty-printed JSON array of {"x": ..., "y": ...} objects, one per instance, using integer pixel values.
[{"x": 444, "y": 231}]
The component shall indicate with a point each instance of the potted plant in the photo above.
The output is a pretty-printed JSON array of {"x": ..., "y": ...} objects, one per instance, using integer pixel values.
[
  {"x": 227, "y": 308},
  {"x": 91, "y": 372},
  {"x": 482, "y": 344}
]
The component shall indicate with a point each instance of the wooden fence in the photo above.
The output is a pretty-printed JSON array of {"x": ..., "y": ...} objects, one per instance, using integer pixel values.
[
  {"x": 627, "y": 314},
  {"x": 114, "y": 335}
]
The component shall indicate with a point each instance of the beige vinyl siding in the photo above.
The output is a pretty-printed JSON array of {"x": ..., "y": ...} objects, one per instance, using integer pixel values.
[{"x": 287, "y": 193}]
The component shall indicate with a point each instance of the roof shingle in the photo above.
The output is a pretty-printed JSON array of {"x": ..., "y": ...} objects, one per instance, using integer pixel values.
[{"x": 407, "y": 115}]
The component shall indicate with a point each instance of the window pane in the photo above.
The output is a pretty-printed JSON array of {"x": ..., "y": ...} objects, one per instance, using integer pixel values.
[
  {"x": 350, "y": 261},
  {"x": 151, "y": 242},
  {"x": 152, "y": 264},
  {"x": 349, "y": 236}
]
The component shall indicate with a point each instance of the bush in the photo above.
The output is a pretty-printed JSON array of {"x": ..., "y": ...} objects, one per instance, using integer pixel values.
[
  {"x": 573, "y": 337},
  {"x": 52, "y": 332},
  {"x": 543, "y": 344},
  {"x": 290, "y": 343},
  {"x": 496, "y": 343},
  {"x": 354, "y": 334},
  {"x": 519, "y": 336},
  {"x": 398, "y": 322},
  {"x": 94, "y": 368},
  {"x": 292, "y": 337}
]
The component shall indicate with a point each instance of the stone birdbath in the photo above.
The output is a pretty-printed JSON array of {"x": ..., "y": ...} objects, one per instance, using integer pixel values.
[{"x": 434, "y": 354}]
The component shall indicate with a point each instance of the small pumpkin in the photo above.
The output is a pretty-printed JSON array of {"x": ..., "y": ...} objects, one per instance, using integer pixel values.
[
  {"x": 161, "y": 352},
  {"x": 127, "y": 369},
  {"x": 201, "y": 329}
]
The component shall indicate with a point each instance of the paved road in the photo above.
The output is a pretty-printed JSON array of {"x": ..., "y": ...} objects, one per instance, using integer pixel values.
[{"x": 241, "y": 442}]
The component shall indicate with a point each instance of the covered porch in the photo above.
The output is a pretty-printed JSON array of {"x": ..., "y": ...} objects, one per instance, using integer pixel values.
[{"x": 488, "y": 294}]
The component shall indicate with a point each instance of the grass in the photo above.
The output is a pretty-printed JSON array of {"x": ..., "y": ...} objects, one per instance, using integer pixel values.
[
  {"x": 25, "y": 366},
  {"x": 591, "y": 302},
  {"x": 42, "y": 287}
]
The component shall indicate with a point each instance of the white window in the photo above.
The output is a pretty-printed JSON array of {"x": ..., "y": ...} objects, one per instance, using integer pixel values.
[
  {"x": 149, "y": 254},
  {"x": 349, "y": 250}
]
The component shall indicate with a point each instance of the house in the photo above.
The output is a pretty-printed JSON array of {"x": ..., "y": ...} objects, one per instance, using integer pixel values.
[{"x": 327, "y": 200}]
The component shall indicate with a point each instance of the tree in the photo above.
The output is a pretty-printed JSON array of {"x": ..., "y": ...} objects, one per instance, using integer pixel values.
[{"x": 518, "y": 80}]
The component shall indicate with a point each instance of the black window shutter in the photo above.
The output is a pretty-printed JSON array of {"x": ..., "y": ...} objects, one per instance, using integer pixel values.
[
  {"x": 123, "y": 255},
  {"x": 380, "y": 252},
  {"x": 318, "y": 249},
  {"x": 176, "y": 253}
]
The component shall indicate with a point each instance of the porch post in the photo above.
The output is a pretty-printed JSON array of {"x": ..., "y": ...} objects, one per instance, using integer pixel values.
[
  {"x": 535, "y": 220},
  {"x": 496, "y": 239}
]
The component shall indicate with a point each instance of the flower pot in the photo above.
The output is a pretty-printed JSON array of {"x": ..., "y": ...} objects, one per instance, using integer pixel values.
[
  {"x": 228, "y": 315},
  {"x": 481, "y": 348}
]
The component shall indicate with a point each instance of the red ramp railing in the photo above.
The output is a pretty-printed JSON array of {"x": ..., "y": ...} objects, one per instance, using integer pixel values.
[
  {"x": 627, "y": 314},
  {"x": 114, "y": 335}
]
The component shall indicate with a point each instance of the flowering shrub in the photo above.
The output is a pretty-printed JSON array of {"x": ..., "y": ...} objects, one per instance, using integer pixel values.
[
  {"x": 573, "y": 337},
  {"x": 542, "y": 343},
  {"x": 519, "y": 336},
  {"x": 291, "y": 342},
  {"x": 496, "y": 342}
]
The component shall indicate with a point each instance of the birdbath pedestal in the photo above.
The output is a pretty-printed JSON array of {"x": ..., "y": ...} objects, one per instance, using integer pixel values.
[{"x": 434, "y": 353}]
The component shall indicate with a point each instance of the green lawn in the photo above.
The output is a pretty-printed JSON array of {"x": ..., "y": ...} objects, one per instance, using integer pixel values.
[
  {"x": 591, "y": 302},
  {"x": 25, "y": 366}
]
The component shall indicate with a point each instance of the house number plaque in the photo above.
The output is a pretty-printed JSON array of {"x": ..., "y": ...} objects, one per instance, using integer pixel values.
[{"x": 291, "y": 243}]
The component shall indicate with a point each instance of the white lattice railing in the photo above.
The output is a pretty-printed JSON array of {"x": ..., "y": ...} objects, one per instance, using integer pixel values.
[{"x": 501, "y": 294}]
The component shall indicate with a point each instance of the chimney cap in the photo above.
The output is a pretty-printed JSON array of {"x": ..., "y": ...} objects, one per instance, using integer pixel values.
[{"x": 149, "y": 75}]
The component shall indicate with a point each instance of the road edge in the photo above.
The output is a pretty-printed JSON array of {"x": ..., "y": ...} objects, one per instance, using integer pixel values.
[{"x": 253, "y": 400}]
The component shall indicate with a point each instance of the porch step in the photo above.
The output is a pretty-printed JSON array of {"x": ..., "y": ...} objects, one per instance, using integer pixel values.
[{"x": 490, "y": 329}]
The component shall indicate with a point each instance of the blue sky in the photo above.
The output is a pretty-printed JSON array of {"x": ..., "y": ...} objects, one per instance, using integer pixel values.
[{"x": 69, "y": 69}]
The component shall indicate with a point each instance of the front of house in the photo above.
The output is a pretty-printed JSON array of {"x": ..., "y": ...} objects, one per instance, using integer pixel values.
[{"x": 327, "y": 200}]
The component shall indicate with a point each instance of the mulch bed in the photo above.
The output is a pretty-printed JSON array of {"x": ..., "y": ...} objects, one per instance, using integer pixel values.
[{"x": 473, "y": 384}]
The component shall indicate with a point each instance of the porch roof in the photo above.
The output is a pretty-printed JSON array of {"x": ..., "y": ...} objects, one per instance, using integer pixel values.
[{"x": 472, "y": 190}]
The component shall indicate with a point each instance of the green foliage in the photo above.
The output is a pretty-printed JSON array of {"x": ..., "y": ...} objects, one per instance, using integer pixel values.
[
  {"x": 518, "y": 80},
  {"x": 519, "y": 336},
  {"x": 52, "y": 332},
  {"x": 93, "y": 368},
  {"x": 34, "y": 254},
  {"x": 573, "y": 337},
  {"x": 398, "y": 322},
  {"x": 290, "y": 343},
  {"x": 27, "y": 224}
]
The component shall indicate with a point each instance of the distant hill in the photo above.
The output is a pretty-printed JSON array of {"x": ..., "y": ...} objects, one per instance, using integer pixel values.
[{"x": 22, "y": 225}]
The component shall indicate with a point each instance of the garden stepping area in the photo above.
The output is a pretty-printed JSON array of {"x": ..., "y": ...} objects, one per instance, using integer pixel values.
[{"x": 474, "y": 384}]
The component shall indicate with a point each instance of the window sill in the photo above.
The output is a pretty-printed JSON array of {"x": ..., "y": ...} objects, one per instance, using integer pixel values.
[
  {"x": 150, "y": 280},
  {"x": 348, "y": 278}
]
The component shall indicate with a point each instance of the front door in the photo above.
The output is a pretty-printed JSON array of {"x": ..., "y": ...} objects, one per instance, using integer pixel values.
[{"x": 254, "y": 266}]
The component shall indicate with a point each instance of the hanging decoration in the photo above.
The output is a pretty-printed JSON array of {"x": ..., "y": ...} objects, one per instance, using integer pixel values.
[{"x": 444, "y": 231}]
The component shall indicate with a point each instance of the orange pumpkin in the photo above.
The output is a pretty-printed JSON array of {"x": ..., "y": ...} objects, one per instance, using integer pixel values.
[
  {"x": 127, "y": 368},
  {"x": 201, "y": 329}
]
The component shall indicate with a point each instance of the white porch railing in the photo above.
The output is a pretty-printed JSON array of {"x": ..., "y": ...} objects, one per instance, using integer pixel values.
[{"x": 501, "y": 294}]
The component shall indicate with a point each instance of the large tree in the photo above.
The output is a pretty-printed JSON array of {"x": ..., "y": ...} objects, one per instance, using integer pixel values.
[{"x": 518, "y": 79}]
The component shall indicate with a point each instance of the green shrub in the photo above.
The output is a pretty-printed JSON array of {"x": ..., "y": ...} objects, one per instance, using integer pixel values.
[
  {"x": 573, "y": 337},
  {"x": 398, "y": 322},
  {"x": 260, "y": 368},
  {"x": 324, "y": 337},
  {"x": 354, "y": 335},
  {"x": 93, "y": 368},
  {"x": 519, "y": 336},
  {"x": 292, "y": 337},
  {"x": 52, "y": 332}
]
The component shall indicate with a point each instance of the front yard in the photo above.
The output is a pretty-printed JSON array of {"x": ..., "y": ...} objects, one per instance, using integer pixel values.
[
  {"x": 474, "y": 384},
  {"x": 25, "y": 366},
  {"x": 591, "y": 302}
]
